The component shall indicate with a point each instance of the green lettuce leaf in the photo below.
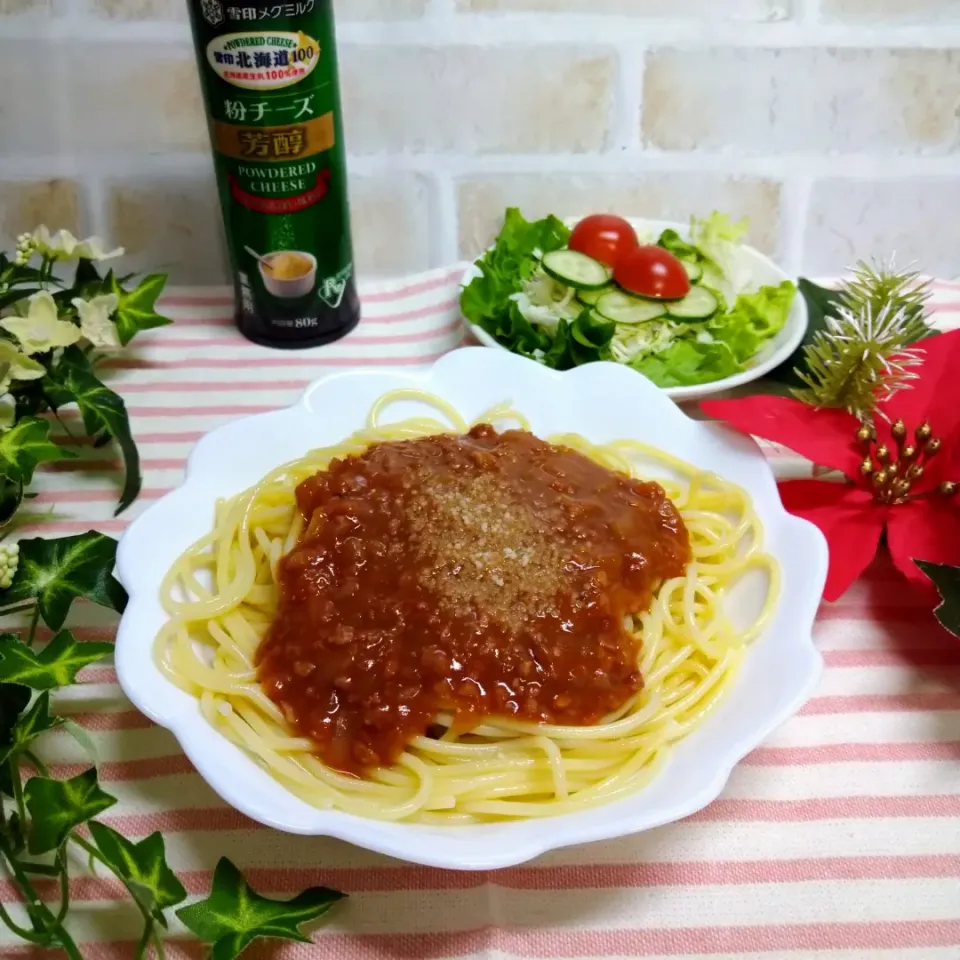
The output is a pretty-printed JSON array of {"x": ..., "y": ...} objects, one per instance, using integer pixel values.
[
  {"x": 755, "y": 317},
  {"x": 512, "y": 256},
  {"x": 517, "y": 333},
  {"x": 719, "y": 239},
  {"x": 504, "y": 269},
  {"x": 672, "y": 241},
  {"x": 715, "y": 245},
  {"x": 482, "y": 300},
  {"x": 687, "y": 362},
  {"x": 717, "y": 229},
  {"x": 735, "y": 338},
  {"x": 585, "y": 340}
]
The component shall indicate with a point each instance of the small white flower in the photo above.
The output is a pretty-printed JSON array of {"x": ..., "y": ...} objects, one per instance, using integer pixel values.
[
  {"x": 41, "y": 329},
  {"x": 63, "y": 245},
  {"x": 56, "y": 246},
  {"x": 8, "y": 411},
  {"x": 24, "y": 249},
  {"x": 95, "y": 322},
  {"x": 9, "y": 561},
  {"x": 92, "y": 249},
  {"x": 15, "y": 365}
]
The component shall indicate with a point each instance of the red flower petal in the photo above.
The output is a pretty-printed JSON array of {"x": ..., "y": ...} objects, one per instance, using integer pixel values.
[
  {"x": 827, "y": 437},
  {"x": 935, "y": 398},
  {"x": 826, "y": 498},
  {"x": 848, "y": 517},
  {"x": 935, "y": 395},
  {"x": 923, "y": 530},
  {"x": 946, "y": 466}
]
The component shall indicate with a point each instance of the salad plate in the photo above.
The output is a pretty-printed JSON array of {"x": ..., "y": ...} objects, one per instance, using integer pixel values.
[{"x": 741, "y": 318}]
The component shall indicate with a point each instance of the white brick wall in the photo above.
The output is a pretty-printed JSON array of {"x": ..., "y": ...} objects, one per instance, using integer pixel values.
[{"x": 833, "y": 124}]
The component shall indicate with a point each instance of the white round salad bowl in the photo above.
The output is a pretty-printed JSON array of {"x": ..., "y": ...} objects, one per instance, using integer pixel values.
[
  {"x": 760, "y": 269},
  {"x": 602, "y": 401}
]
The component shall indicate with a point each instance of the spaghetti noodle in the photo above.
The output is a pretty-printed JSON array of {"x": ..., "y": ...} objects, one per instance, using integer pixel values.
[{"x": 225, "y": 600}]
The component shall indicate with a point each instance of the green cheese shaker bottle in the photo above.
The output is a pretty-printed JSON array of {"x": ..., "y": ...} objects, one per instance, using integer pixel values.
[{"x": 269, "y": 75}]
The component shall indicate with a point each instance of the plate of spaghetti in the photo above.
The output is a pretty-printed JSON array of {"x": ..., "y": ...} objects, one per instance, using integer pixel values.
[{"x": 469, "y": 614}]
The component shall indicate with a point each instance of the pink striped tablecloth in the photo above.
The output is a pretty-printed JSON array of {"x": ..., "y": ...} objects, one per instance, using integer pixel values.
[{"x": 838, "y": 838}]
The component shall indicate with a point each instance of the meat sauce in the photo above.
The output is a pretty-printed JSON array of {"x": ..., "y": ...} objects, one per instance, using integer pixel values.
[{"x": 475, "y": 576}]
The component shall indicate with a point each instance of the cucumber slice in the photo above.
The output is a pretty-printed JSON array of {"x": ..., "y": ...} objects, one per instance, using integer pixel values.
[
  {"x": 622, "y": 308},
  {"x": 590, "y": 297},
  {"x": 699, "y": 304},
  {"x": 694, "y": 271},
  {"x": 576, "y": 269}
]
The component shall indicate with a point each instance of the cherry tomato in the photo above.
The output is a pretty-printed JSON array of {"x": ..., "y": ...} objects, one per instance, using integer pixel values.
[
  {"x": 604, "y": 237},
  {"x": 652, "y": 272}
]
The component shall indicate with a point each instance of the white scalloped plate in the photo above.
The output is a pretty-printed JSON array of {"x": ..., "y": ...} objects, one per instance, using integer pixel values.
[
  {"x": 762, "y": 269},
  {"x": 602, "y": 401}
]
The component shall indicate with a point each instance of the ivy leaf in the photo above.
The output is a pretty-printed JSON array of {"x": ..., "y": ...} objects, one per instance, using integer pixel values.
[
  {"x": 103, "y": 411},
  {"x": 29, "y": 396},
  {"x": 136, "y": 309},
  {"x": 35, "y": 721},
  {"x": 18, "y": 841},
  {"x": 58, "y": 806},
  {"x": 234, "y": 915},
  {"x": 11, "y": 496},
  {"x": 57, "y": 665},
  {"x": 86, "y": 273},
  {"x": 13, "y": 701},
  {"x": 25, "y": 445},
  {"x": 17, "y": 294},
  {"x": 144, "y": 866},
  {"x": 947, "y": 581},
  {"x": 57, "y": 571},
  {"x": 13, "y": 272}
]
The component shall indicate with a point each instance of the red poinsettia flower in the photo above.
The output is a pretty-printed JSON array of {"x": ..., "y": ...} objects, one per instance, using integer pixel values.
[{"x": 901, "y": 481}]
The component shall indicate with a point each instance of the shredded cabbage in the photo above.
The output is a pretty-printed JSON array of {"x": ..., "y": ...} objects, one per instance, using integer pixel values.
[
  {"x": 634, "y": 340},
  {"x": 545, "y": 301},
  {"x": 718, "y": 241}
]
